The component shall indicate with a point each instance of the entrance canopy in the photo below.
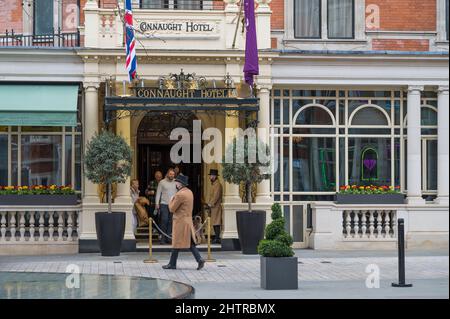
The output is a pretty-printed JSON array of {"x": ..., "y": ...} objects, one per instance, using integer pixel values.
[
  {"x": 38, "y": 105},
  {"x": 179, "y": 93}
]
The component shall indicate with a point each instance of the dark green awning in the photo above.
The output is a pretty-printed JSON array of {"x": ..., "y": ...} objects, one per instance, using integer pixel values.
[{"x": 38, "y": 105}]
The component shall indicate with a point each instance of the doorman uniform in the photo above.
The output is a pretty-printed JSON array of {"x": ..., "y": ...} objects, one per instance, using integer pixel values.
[{"x": 215, "y": 205}]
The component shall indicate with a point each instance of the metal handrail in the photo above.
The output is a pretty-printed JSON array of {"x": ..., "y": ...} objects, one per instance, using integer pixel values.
[{"x": 57, "y": 39}]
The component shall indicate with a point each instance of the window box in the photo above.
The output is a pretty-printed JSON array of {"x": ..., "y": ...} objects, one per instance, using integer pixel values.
[
  {"x": 39, "y": 200},
  {"x": 380, "y": 199}
]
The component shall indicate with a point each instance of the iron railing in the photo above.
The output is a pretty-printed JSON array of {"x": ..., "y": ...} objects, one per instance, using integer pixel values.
[
  {"x": 57, "y": 39},
  {"x": 182, "y": 4}
]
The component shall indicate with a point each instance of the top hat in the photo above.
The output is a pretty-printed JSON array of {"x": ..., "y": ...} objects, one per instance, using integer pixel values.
[
  {"x": 214, "y": 172},
  {"x": 182, "y": 179}
]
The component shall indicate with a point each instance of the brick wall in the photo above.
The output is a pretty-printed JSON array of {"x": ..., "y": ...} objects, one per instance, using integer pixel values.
[
  {"x": 406, "y": 15},
  {"x": 400, "y": 45},
  {"x": 277, "y": 14},
  {"x": 11, "y": 16}
]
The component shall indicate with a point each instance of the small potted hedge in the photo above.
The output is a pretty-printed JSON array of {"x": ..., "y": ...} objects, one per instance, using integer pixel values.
[
  {"x": 243, "y": 169},
  {"x": 108, "y": 160},
  {"x": 279, "y": 267}
]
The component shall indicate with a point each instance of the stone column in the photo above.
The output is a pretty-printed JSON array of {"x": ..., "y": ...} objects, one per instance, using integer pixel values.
[
  {"x": 90, "y": 129},
  {"x": 232, "y": 200},
  {"x": 443, "y": 147},
  {"x": 263, "y": 188},
  {"x": 123, "y": 128},
  {"x": 414, "y": 161}
]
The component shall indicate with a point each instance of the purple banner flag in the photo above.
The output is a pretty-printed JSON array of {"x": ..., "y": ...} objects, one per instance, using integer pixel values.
[{"x": 251, "y": 67}]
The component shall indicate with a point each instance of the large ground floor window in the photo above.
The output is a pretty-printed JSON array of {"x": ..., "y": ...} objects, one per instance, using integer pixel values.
[
  {"x": 330, "y": 138},
  {"x": 40, "y": 156}
]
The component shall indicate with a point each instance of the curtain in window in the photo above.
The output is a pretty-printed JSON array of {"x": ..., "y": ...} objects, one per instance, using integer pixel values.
[
  {"x": 307, "y": 18},
  {"x": 43, "y": 17},
  {"x": 154, "y": 4},
  {"x": 189, "y": 4},
  {"x": 340, "y": 19}
]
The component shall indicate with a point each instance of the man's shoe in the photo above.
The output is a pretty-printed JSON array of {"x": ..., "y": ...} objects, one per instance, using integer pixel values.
[
  {"x": 201, "y": 264},
  {"x": 169, "y": 266}
]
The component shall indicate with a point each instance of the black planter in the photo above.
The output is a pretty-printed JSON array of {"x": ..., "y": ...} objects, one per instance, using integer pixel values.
[
  {"x": 279, "y": 273},
  {"x": 379, "y": 199},
  {"x": 38, "y": 200},
  {"x": 250, "y": 227},
  {"x": 110, "y": 232}
]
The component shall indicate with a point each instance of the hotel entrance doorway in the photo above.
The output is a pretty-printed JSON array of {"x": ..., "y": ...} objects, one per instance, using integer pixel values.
[{"x": 154, "y": 146}]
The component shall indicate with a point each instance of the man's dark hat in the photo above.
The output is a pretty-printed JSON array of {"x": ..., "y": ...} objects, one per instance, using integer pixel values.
[
  {"x": 182, "y": 179},
  {"x": 214, "y": 172}
]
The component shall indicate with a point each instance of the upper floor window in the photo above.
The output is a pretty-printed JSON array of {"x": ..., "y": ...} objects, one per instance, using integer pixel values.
[
  {"x": 312, "y": 19},
  {"x": 43, "y": 17},
  {"x": 174, "y": 4}
]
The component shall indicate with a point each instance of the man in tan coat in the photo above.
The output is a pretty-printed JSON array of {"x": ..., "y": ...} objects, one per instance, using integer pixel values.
[
  {"x": 215, "y": 204},
  {"x": 183, "y": 233}
]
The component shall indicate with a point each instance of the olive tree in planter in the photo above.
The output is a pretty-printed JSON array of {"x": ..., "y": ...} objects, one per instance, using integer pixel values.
[
  {"x": 247, "y": 161},
  {"x": 108, "y": 160},
  {"x": 279, "y": 269}
]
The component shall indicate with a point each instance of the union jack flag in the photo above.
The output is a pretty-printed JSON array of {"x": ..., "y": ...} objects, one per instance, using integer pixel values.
[{"x": 131, "y": 62}]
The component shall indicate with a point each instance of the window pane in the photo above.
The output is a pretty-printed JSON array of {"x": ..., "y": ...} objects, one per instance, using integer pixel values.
[
  {"x": 314, "y": 116},
  {"x": 286, "y": 166},
  {"x": 369, "y": 116},
  {"x": 297, "y": 224},
  {"x": 314, "y": 164},
  {"x": 78, "y": 145},
  {"x": 68, "y": 155},
  {"x": 369, "y": 161},
  {"x": 43, "y": 17},
  {"x": 41, "y": 160},
  {"x": 307, "y": 18},
  {"x": 188, "y": 4},
  {"x": 340, "y": 19},
  {"x": 429, "y": 117},
  {"x": 4, "y": 160},
  {"x": 154, "y": 4},
  {"x": 432, "y": 164}
]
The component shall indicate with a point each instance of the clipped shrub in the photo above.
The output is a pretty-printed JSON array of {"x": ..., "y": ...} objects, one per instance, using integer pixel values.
[{"x": 278, "y": 243}]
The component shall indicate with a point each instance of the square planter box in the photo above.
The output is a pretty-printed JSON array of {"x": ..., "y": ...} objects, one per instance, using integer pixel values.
[
  {"x": 370, "y": 199},
  {"x": 38, "y": 200},
  {"x": 279, "y": 273}
]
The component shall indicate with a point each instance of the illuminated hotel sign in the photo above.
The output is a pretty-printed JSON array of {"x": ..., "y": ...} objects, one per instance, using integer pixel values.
[
  {"x": 188, "y": 27},
  {"x": 185, "y": 93}
]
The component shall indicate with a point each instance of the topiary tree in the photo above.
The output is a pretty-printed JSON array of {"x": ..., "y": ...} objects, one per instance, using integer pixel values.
[
  {"x": 278, "y": 243},
  {"x": 108, "y": 160},
  {"x": 243, "y": 163}
]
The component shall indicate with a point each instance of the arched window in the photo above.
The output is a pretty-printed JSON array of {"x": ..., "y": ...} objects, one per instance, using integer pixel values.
[
  {"x": 429, "y": 116},
  {"x": 314, "y": 115},
  {"x": 369, "y": 165},
  {"x": 370, "y": 115}
]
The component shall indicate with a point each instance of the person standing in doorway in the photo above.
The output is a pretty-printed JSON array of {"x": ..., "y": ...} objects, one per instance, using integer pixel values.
[
  {"x": 178, "y": 170},
  {"x": 215, "y": 204},
  {"x": 150, "y": 192},
  {"x": 166, "y": 190},
  {"x": 183, "y": 231},
  {"x": 140, "y": 217}
]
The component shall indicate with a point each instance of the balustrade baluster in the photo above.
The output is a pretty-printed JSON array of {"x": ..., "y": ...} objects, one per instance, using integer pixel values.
[
  {"x": 356, "y": 221},
  {"x": 69, "y": 226},
  {"x": 348, "y": 223},
  {"x": 32, "y": 226},
  {"x": 371, "y": 223},
  {"x": 363, "y": 224},
  {"x": 22, "y": 226},
  {"x": 379, "y": 221},
  {"x": 60, "y": 225},
  {"x": 41, "y": 226},
  {"x": 394, "y": 224},
  {"x": 51, "y": 226},
  {"x": 12, "y": 227},
  {"x": 3, "y": 227}
]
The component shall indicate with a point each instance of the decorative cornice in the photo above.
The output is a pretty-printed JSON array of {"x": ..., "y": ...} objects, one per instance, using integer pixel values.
[
  {"x": 415, "y": 88},
  {"x": 442, "y": 89}
]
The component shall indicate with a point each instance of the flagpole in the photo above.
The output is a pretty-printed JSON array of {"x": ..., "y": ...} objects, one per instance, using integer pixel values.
[{"x": 237, "y": 24}]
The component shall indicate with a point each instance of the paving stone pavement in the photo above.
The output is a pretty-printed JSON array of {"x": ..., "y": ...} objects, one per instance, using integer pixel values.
[{"x": 235, "y": 268}]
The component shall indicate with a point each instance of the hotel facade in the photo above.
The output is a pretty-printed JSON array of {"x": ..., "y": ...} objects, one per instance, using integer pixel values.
[{"x": 353, "y": 92}]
